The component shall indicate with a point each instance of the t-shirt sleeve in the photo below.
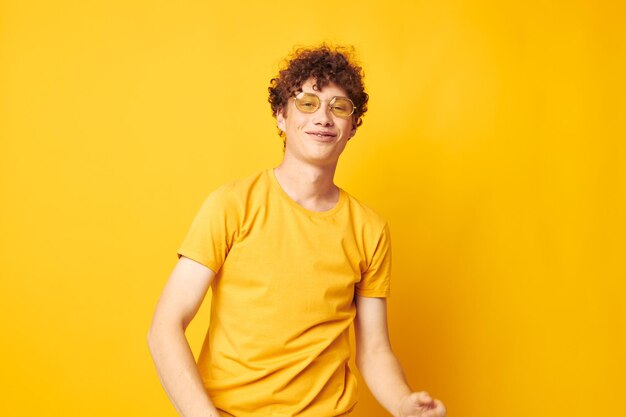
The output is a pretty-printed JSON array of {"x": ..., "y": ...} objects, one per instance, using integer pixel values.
[
  {"x": 213, "y": 230},
  {"x": 375, "y": 281}
]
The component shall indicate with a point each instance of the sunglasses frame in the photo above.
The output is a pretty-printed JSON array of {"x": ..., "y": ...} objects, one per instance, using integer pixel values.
[{"x": 319, "y": 103}]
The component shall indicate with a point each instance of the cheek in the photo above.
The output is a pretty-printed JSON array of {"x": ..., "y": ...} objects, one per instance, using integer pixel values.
[
  {"x": 298, "y": 122},
  {"x": 346, "y": 127}
]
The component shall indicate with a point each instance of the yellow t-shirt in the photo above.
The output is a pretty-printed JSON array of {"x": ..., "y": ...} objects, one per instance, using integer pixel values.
[{"x": 283, "y": 297}]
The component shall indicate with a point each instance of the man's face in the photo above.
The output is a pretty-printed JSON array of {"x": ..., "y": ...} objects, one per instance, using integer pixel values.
[{"x": 316, "y": 138}]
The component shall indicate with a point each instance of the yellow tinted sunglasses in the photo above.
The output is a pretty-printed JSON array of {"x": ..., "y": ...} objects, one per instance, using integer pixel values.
[{"x": 339, "y": 106}]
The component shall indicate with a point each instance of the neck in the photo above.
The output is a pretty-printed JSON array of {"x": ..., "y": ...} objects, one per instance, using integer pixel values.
[{"x": 308, "y": 185}]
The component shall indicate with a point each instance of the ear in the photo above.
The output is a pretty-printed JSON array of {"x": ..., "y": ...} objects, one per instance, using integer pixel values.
[
  {"x": 280, "y": 120},
  {"x": 353, "y": 131}
]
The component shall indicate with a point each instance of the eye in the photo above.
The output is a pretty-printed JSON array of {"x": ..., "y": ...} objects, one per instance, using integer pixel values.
[
  {"x": 307, "y": 103},
  {"x": 342, "y": 104}
]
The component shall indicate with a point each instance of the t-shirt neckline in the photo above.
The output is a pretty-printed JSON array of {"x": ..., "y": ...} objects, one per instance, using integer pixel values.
[{"x": 342, "y": 198}]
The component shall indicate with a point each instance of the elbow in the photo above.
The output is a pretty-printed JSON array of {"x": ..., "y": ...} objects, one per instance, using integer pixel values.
[
  {"x": 150, "y": 338},
  {"x": 161, "y": 332},
  {"x": 364, "y": 363},
  {"x": 364, "y": 357},
  {"x": 155, "y": 333}
]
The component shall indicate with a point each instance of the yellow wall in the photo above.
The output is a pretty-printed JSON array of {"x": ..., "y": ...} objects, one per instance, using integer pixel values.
[{"x": 494, "y": 144}]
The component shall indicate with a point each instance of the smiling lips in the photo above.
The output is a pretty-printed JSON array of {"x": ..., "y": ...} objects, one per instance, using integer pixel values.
[{"x": 322, "y": 134}]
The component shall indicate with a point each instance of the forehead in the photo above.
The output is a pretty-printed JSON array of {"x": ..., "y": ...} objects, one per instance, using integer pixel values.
[{"x": 329, "y": 90}]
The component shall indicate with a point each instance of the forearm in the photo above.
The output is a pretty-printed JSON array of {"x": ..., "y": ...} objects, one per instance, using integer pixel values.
[
  {"x": 385, "y": 378},
  {"x": 178, "y": 372}
]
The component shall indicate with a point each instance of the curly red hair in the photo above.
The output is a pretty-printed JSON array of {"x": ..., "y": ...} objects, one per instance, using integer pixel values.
[{"x": 326, "y": 65}]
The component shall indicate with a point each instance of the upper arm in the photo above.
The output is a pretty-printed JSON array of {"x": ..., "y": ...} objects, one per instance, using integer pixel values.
[
  {"x": 183, "y": 293},
  {"x": 370, "y": 326}
]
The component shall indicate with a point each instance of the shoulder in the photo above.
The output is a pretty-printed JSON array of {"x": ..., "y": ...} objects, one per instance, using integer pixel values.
[
  {"x": 363, "y": 213},
  {"x": 242, "y": 183},
  {"x": 233, "y": 196},
  {"x": 241, "y": 187}
]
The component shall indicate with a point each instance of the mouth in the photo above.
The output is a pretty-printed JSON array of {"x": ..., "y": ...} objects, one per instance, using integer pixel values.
[{"x": 323, "y": 136}]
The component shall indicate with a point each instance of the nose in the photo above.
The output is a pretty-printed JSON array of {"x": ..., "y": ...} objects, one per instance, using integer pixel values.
[{"x": 323, "y": 116}]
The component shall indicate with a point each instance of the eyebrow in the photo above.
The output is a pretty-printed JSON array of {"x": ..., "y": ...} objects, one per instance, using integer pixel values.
[{"x": 306, "y": 92}]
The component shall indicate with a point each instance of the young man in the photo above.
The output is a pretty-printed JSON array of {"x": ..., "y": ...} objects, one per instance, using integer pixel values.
[{"x": 293, "y": 260}]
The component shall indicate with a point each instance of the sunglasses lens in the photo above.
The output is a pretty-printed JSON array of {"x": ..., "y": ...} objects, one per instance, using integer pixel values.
[
  {"x": 342, "y": 107},
  {"x": 307, "y": 103}
]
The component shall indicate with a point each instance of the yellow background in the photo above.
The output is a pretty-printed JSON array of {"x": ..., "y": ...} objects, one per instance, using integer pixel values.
[{"x": 494, "y": 144}]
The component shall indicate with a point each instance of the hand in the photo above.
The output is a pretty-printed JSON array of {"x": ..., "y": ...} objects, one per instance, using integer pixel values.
[{"x": 419, "y": 404}]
